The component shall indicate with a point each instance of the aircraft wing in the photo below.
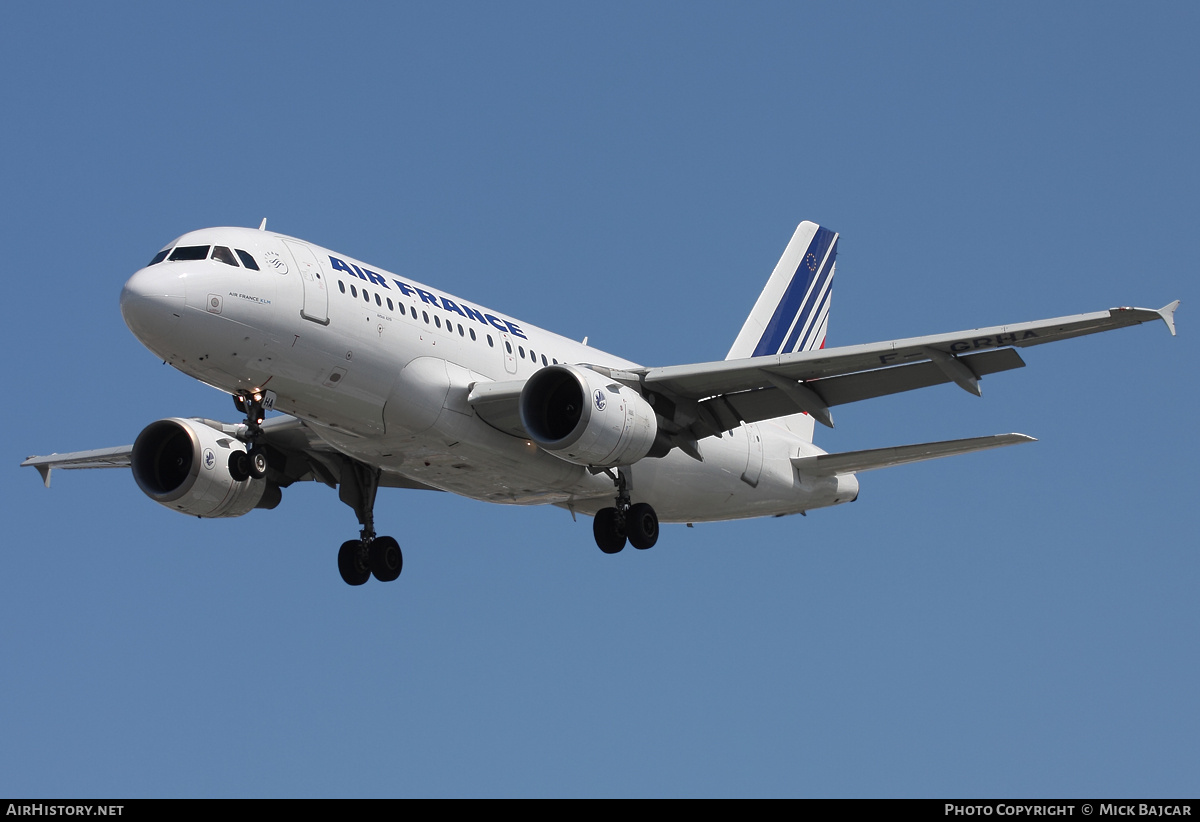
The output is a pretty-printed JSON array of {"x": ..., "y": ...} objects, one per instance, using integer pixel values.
[
  {"x": 298, "y": 455},
  {"x": 708, "y": 398},
  {"x": 117, "y": 457}
]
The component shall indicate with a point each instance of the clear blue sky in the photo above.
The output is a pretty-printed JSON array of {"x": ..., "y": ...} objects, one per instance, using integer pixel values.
[{"x": 1014, "y": 623}]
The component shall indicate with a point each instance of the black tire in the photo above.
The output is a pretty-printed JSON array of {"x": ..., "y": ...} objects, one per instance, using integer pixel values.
[
  {"x": 349, "y": 565},
  {"x": 257, "y": 463},
  {"x": 239, "y": 466},
  {"x": 387, "y": 561},
  {"x": 608, "y": 535},
  {"x": 641, "y": 524}
]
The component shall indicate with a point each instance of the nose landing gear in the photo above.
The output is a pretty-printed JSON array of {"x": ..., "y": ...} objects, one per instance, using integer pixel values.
[
  {"x": 248, "y": 464},
  {"x": 252, "y": 463},
  {"x": 250, "y": 403}
]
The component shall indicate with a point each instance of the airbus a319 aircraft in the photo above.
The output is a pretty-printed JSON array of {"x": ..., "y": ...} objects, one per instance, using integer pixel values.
[{"x": 385, "y": 382}]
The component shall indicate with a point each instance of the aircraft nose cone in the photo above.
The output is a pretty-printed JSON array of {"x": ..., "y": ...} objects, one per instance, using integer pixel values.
[{"x": 152, "y": 302}]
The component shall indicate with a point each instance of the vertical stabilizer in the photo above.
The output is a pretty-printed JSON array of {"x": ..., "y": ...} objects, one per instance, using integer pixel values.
[{"x": 792, "y": 312}]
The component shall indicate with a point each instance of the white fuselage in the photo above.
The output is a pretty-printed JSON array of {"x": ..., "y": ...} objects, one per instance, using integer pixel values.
[{"x": 380, "y": 367}]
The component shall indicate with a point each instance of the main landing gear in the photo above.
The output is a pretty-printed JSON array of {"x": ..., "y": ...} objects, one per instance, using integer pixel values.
[
  {"x": 637, "y": 523},
  {"x": 359, "y": 559}
]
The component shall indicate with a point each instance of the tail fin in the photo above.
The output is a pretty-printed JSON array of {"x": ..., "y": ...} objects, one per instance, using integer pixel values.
[{"x": 792, "y": 312}]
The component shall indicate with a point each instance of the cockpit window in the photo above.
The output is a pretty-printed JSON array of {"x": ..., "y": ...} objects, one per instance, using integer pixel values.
[
  {"x": 190, "y": 252},
  {"x": 224, "y": 255},
  {"x": 159, "y": 257},
  {"x": 246, "y": 259}
]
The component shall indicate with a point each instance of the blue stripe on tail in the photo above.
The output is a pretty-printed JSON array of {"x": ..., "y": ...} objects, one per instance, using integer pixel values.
[
  {"x": 804, "y": 298},
  {"x": 810, "y": 312}
]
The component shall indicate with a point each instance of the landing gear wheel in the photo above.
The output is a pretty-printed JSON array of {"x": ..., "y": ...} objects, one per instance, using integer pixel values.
[
  {"x": 350, "y": 563},
  {"x": 239, "y": 466},
  {"x": 641, "y": 524},
  {"x": 257, "y": 463},
  {"x": 605, "y": 528},
  {"x": 386, "y": 559}
]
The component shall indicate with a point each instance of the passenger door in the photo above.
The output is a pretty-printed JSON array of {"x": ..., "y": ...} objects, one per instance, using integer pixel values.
[{"x": 316, "y": 296}]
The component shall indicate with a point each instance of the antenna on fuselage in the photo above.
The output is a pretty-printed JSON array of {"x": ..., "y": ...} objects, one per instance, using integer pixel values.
[{"x": 263, "y": 225}]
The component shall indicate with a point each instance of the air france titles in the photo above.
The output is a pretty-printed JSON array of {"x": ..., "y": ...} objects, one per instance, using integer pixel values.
[{"x": 428, "y": 297}]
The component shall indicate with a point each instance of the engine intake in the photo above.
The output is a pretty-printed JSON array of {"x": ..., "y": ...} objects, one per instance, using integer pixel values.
[
  {"x": 184, "y": 465},
  {"x": 583, "y": 417}
]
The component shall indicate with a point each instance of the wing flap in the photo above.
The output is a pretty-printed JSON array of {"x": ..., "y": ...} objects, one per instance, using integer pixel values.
[
  {"x": 768, "y": 403},
  {"x": 827, "y": 465}
]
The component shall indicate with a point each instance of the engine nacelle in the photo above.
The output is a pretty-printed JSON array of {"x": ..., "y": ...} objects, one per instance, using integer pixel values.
[
  {"x": 583, "y": 417},
  {"x": 184, "y": 465}
]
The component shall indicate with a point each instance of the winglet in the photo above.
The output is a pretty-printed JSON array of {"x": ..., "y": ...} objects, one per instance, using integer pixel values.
[
  {"x": 44, "y": 470},
  {"x": 1167, "y": 312},
  {"x": 263, "y": 225}
]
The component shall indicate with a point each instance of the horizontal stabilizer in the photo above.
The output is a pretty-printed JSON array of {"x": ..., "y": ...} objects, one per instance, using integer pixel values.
[{"x": 826, "y": 465}]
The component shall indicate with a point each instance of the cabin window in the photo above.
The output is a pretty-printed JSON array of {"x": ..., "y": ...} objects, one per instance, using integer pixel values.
[
  {"x": 472, "y": 330},
  {"x": 544, "y": 360},
  {"x": 224, "y": 255},
  {"x": 507, "y": 346},
  {"x": 366, "y": 296},
  {"x": 341, "y": 286},
  {"x": 390, "y": 306},
  {"x": 353, "y": 291},
  {"x": 378, "y": 301},
  {"x": 425, "y": 314},
  {"x": 490, "y": 343},
  {"x": 190, "y": 252},
  {"x": 247, "y": 260}
]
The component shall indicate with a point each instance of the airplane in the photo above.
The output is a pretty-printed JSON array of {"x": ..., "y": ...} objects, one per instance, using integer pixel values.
[{"x": 385, "y": 382}]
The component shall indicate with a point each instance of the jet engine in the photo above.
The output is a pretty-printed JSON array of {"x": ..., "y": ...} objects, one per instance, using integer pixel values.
[
  {"x": 184, "y": 465},
  {"x": 583, "y": 417}
]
